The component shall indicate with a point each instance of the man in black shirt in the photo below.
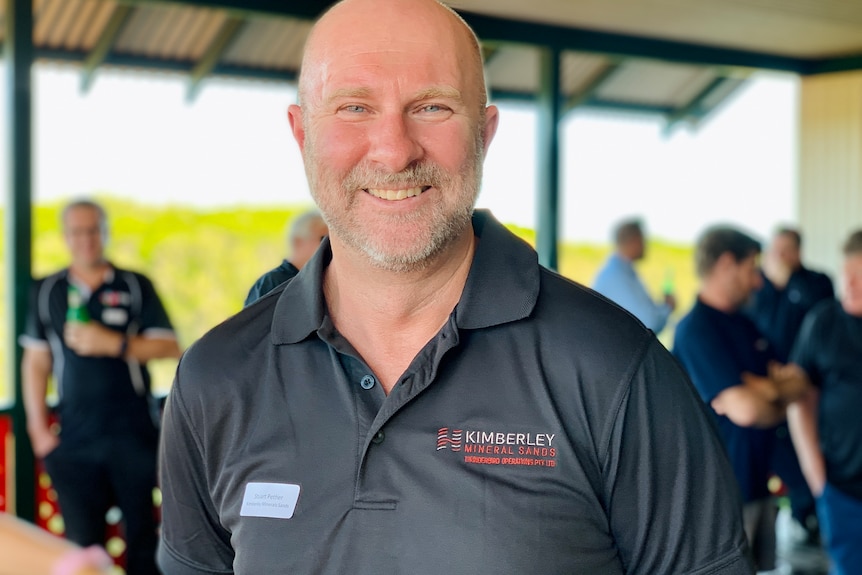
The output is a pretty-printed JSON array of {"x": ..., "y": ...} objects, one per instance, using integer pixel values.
[
  {"x": 826, "y": 427},
  {"x": 95, "y": 326},
  {"x": 423, "y": 397},
  {"x": 790, "y": 290},
  {"x": 306, "y": 233}
]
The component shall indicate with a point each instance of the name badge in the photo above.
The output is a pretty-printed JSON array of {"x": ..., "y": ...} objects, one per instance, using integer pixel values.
[
  {"x": 115, "y": 316},
  {"x": 276, "y": 500}
]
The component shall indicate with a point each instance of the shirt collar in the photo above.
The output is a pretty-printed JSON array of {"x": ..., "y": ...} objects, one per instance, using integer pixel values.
[
  {"x": 108, "y": 278},
  {"x": 502, "y": 285}
]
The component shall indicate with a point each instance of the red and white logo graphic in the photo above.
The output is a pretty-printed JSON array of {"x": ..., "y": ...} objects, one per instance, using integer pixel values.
[
  {"x": 492, "y": 447},
  {"x": 447, "y": 439}
]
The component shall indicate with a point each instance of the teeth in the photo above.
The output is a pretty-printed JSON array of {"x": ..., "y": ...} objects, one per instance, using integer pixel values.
[{"x": 395, "y": 194}]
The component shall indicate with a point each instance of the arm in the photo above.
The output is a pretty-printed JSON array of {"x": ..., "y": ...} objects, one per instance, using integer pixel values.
[
  {"x": 28, "y": 549},
  {"x": 761, "y": 401},
  {"x": 92, "y": 339},
  {"x": 35, "y": 371},
  {"x": 143, "y": 348},
  {"x": 621, "y": 285},
  {"x": 674, "y": 504},
  {"x": 802, "y": 421},
  {"x": 192, "y": 539},
  {"x": 748, "y": 406}
]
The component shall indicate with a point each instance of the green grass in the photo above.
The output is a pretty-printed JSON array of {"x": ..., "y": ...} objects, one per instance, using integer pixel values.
[{"x": 204, "y": 261}]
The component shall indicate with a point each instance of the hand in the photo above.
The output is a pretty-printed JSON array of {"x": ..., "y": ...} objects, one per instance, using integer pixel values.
[
  {"x": 791, "y": 380},
  {"x": 92, "y": 339},
  {"x": 670, "y": 301},
  {"x": 43, "y": 441}
]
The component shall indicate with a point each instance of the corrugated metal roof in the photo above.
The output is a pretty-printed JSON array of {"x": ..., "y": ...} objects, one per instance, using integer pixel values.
[{"x": 205, "y": 37}]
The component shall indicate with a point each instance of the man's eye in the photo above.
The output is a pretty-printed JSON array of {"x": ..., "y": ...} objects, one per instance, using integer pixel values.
[
  {"x": 432, "y": 108},
  {"x": 354, "y": 108}
]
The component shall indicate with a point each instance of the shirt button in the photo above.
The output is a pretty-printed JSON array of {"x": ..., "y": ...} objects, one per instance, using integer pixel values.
[
  {"x": 378, "y": 437},
  {"x": 367, "y": 382}
]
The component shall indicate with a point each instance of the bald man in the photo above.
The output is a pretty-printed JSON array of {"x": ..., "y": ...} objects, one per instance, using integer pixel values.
[
  {"x": 423, "y": 397},
  {"x": 306, "y": 232}
]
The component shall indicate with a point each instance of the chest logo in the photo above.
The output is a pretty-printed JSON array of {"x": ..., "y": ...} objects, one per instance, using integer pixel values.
[{"x": 499, "y": 447}]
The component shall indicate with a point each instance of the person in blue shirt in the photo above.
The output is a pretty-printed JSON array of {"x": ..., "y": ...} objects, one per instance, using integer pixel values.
[
  {"x": 825, "y": 424},
  {"x": 618, "y": 280},
  {"x": 735, "y": 370},
  {"x": 306, "y": 233}
]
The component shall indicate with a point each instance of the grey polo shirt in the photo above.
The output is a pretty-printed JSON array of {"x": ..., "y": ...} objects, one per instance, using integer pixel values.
[{"x": 542, "y": 430}]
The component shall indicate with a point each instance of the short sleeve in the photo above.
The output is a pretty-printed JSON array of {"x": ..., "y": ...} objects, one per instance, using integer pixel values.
[
  {"x": 804, "y": 352},
  {"x": 674, "y": 502},
  {"x": 706, "y": 359},
  {"x": 34, "y": 329},
  {"x": 192, "y": 539},
  {"x": 153, "y": 315}
]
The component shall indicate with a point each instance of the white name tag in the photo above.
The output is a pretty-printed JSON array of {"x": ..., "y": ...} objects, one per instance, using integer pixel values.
[
  {"x": 114, "y": 316},
  {"x": 276, "y": 500}
]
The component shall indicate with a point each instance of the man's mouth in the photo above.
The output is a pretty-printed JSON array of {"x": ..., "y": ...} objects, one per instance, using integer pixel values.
[{"x": 401, "y": 194}]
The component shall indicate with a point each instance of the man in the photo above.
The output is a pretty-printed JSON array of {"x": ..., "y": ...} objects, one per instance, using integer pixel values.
[
  {"x": 422, "y": 397},
  {"x": 306, "y": 233},
  {"x": 105, "y": 451},
  {"x": 618, "y": 280},
  {"x": 825, "y": 424},
  {"x": 735, "y": 370},
  {"x": 790, "y": 290}
]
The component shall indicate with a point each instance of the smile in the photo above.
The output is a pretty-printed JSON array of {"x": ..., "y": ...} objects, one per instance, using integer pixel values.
[{"x": 402, "y": 194}]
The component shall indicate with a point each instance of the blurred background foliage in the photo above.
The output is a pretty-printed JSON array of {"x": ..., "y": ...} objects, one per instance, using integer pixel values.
[{"x": 203, "y": 262}]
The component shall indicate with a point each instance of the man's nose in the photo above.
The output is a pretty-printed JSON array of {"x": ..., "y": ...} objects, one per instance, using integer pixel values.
[{"x": 392, "y": 142}]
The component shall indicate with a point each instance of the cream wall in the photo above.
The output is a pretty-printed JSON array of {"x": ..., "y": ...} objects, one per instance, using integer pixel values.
[{"x": 830, "y": 165}]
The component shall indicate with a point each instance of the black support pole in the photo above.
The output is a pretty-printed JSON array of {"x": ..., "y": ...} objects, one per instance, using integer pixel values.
[
  {"x": 19, "y": 62},
  {"x": 548, "y": 161}
]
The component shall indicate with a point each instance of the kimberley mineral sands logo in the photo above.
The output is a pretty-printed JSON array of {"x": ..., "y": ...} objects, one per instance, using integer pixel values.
[{"x": 482, "y": 447}]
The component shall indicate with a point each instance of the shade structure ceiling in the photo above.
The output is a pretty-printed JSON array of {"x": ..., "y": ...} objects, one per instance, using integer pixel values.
[{"x": 677, "y": 58}]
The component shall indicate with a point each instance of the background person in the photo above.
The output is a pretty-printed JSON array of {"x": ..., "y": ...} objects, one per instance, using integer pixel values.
[
  {"x": 825, "y": 425},
  {"x": 789, "y": 291},
  {"x": 95, "y": 326},
  {"x": 423, "y": 397},
  {"x": 618, "y": 280},
  {"x": 306, "y": 233},
  {"x": 734, "y": 369}
]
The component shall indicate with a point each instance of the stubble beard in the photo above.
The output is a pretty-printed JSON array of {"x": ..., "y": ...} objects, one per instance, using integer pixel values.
[{"x": 430, "y": 230}]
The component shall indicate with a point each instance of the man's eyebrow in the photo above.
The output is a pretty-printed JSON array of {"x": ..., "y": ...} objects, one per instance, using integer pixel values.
[
  {"x": 347, "y": 93},
  {"x": 445, "y": 92},
  {"x": 432, "y": 93}
]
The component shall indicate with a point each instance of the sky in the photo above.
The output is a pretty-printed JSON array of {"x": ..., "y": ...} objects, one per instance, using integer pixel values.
[{"x": 136, "y": 135}]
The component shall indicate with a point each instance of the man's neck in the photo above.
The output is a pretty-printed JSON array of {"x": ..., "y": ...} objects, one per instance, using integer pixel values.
[
  {"x": 715, "y": 297},
  {"x": 389, "y": 316},
  {"x": 92, "y": 275}
]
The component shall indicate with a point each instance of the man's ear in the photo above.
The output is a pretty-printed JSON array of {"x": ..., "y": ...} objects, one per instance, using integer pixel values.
[
  {"x": 492, "y": 118},
  {"x": 294, "y": 116},
  {"x": 725, "y": 261}
]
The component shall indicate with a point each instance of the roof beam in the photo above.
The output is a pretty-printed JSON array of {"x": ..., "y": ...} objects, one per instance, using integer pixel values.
[
  {"x": 306, "y": 9},
  {"x": 827, "y": 65},
  {"x": 221, "y": 42},
  {"x": 103, "y": 45},
  {"x": 491, "y": 28},
  {"x": 593, "y": 87},
  {"x": 177, "y": 66},
  {"x": 591, "y": 41},
  {"x": 694, "y": 106}
]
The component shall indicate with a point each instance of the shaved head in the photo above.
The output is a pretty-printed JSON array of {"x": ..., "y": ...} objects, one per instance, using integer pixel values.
[
  {"x": 376, "y": 23},
  {"x": 393, "y": 125}
]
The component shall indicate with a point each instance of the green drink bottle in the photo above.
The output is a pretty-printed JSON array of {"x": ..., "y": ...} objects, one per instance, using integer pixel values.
[{"x": 77, "y": 311}]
